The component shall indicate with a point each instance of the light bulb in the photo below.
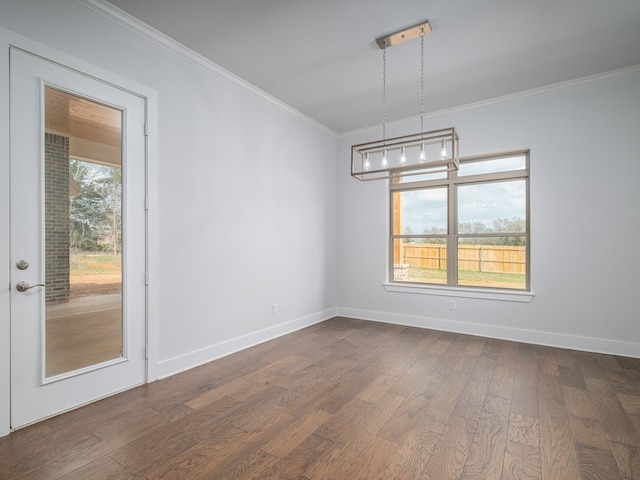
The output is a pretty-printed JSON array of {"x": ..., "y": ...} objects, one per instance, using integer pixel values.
[
  {"x": 403, "y": 157},
  {"x": 385, "y": 161},
  {"x": 367, "y": 163},
  {"x": 443, "y": 151},
  {"x": 423, "y": 154}
]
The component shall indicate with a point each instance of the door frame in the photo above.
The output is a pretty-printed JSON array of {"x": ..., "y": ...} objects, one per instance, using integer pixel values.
[{"x": 8, "y": 40}]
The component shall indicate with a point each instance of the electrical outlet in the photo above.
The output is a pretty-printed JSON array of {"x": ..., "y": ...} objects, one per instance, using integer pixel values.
[
  {"x": 452, "y": 305},
  {"x": 275, "y": 308}
]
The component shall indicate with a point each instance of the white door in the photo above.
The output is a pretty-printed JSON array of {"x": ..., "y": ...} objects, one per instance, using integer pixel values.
[{"x": 77, "y": 228}]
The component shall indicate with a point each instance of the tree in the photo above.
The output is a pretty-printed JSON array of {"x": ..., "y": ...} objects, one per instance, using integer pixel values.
[
  {"x": 435, "y": 231},
  {"x": 95, "y": 213},
  {"x": 513, "y": 225},
  {"x": 473, "y": 227},
  {"x": 516, "y": 224},
  {"x": 109, "y": 186}
]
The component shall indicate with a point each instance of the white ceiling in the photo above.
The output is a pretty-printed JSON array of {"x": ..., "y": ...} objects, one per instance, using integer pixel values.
[{"x": 320, "y": 56}]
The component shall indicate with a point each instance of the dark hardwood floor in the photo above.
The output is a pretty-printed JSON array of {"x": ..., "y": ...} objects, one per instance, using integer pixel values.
[{"x": 348, "y": 399}]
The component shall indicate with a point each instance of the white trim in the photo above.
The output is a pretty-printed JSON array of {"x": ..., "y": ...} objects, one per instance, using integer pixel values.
[
  {"x": 536, "y": 337},
  {"x": 538, "y": 91},
  {"x": 461, "y": 292},
  {"x": 208, "y": 354},
  {"x": 153, "y": 237},
  {"x": 167, "y": 43},
  {"x": 5, "y": 362}
]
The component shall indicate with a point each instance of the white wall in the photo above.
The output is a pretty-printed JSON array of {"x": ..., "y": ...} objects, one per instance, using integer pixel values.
[
  {"x": 585, "y": 196},
  {"x": 243, "y": 193}
]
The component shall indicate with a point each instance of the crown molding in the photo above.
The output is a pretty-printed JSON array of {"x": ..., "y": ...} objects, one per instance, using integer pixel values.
[
  {"x": 534, "y": 92},
  {"x": 122, "y": 18},
  {"x": 167, "y": 43}
]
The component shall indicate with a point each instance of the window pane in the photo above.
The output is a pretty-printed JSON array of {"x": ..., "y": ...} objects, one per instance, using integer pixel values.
[
  {"x": 495, "y": 165},
  {"x": 420, "y": 211},
  {"x": 492, "y": 262},
  {"x": 492, "y": 207},
  {"x": 420, "y": 177},
  {"x": 420, "y": 260}
]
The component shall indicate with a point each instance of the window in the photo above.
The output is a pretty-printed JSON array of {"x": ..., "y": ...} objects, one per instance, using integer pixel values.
[{"x": 467, "y": 228}]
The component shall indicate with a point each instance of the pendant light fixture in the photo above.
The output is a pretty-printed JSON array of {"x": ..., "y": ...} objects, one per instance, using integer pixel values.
[{"x": 420, "y": 153}]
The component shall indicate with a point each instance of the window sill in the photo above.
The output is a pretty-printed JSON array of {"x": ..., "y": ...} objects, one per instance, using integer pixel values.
[{"x": 485, "y": 294}]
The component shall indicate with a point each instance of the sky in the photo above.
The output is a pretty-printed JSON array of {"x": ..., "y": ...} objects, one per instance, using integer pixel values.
[{"x": 478, "y": 202}]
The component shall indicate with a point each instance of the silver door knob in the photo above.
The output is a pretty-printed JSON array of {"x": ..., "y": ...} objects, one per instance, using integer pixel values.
[{"x": 24, "y": 286}]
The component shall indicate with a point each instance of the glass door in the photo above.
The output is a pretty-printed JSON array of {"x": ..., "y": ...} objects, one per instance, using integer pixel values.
[{"x": 78, "y": 328}]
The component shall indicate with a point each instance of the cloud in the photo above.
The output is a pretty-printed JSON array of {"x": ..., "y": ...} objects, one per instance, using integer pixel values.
[{"x": 426, "y": 209}]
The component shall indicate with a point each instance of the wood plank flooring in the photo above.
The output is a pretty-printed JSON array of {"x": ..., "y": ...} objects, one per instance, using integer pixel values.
[{"x": 349, "y": 399}]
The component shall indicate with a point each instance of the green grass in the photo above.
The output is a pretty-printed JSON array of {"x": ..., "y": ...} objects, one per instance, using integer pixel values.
[
  {"x": 95, "y": 263},
  {"x": 468, "y": 278}
]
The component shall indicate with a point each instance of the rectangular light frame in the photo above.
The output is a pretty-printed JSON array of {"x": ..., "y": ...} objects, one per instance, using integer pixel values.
[{"x": 433, "y": 141}]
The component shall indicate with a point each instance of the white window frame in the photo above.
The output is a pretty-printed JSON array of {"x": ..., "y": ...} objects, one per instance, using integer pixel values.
[{"x": 451, "y": 182}]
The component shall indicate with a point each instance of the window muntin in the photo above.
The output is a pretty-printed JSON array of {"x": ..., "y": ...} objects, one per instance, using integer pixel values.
[{"x": 484, "y": 239}]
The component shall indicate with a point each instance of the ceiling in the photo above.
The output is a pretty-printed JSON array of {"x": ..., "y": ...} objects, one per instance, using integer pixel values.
[
  {"x": 94, "y": 130},
  {"x": 320, "y": 57},
  {"x": 74, "y": 116}
]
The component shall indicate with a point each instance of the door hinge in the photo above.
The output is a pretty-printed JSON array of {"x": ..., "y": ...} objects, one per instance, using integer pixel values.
[
  {"x": 146, "y": 129},
  {"x": 146, "y": 278},
  {"x": 146, "y": 203}
]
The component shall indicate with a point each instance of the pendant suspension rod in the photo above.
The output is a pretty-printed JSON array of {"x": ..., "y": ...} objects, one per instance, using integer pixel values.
[
  {"x": 384, "y": 91},
  {"x": 422, "y": 34}
]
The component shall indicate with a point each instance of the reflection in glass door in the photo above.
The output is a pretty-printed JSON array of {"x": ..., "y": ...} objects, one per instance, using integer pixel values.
[{"x": 83, "y": 234}]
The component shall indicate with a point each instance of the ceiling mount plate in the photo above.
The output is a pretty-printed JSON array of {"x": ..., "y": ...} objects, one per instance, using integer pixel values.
[{"x": 404, "y": 35}]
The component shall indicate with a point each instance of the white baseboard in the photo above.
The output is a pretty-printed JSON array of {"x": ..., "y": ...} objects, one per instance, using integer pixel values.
[
  {"x": 199, "y": 357},
  {"x": 536, "y": 337}
]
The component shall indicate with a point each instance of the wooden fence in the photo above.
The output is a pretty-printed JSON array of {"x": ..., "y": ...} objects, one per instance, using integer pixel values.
[{"x": 478, "y": 258}]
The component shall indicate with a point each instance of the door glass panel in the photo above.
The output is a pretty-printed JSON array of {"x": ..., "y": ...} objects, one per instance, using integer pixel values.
[{"x": 83, "y": 233}]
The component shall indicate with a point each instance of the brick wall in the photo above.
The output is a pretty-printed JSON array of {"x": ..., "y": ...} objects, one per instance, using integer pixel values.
[{"x": 56, "y": 206}]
